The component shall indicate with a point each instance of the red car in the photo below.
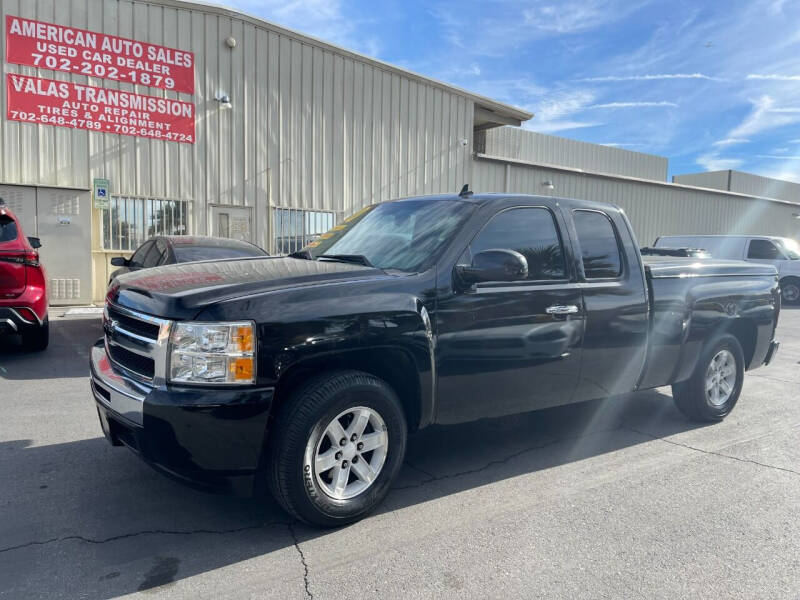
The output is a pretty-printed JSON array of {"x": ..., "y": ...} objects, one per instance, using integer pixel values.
[{"x": 23, "y": 284}]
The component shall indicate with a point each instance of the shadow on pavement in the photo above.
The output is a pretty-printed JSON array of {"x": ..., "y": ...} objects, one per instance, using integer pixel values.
[
  {"x": 66, "y": 356},
  {"x": 83, "y": 519},
  {"x": 93, "y": 521}
]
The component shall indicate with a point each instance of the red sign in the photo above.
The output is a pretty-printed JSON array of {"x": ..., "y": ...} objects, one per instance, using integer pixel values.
[
  {"x": 49, "y": 46},
  {"x": 66, "y": 104}
]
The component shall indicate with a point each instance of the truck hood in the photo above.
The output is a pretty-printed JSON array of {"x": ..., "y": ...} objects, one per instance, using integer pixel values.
[{"x": 182, "y": 291}]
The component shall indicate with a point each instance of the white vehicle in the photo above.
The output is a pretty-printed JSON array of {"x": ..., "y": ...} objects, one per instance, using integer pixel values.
[{"x": 782, "y": 252}]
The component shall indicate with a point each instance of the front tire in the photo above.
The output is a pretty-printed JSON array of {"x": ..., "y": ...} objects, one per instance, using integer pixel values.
[
  {"x": 335, "y": 448},
  {"x": 711, "y": 392},
  {"x": 790, "y": 290}
]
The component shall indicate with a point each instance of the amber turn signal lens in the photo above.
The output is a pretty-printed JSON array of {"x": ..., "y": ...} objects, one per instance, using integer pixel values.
[
  {"x": 244, "y": 339},
  {"x": 241, "y": 369}
]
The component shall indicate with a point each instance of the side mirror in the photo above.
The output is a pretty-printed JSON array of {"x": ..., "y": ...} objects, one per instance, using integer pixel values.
[
  {"x": 119, "y": 261},
  {"x": 494, "y": 265},
  {"x": 35, "y": 242}
]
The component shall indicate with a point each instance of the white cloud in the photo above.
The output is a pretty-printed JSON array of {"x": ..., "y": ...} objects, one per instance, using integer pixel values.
[
  {"x": 620, "y": 144},
  {"x": 455, "y": 72},
  {"x": 556, "y": 112},
  {"x": 773, "y": 77},
  {"x": 506, "y": 27},
  {"x": 649, "y": 77},
  {"x": 764, "y": 115},
  {"x": 712, "y": 162},
  {"x": 776, "y": 7},
  {"x": 730, "y": 141},
  {"x": 556, "y": 126},
  {"x": 575, "y": 16},
  {"x": 633, "y": 104},
  {"x": 778, "y": 157}
]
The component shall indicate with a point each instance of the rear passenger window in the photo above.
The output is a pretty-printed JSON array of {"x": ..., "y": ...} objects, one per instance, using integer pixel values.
[
  {"x": 8, "y": 229},
  {"x": 599, "y": 246},
  {"x": 531, "y": 232}
]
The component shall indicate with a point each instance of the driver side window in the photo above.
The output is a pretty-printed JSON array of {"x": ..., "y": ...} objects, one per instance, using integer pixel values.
[{"x": 531, "y": 232}]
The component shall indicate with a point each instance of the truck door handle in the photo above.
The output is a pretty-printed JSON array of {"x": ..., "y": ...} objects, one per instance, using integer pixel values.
[{"x": 561, "y": 309}]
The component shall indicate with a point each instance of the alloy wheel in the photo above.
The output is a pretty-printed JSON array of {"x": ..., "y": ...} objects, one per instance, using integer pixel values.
[
  {"x": 721, "y": 377},
  {"x": 351, "y": 453}
]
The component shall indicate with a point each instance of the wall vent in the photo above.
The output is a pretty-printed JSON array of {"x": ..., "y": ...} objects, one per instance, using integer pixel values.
[{"x": 65, "y": 289}]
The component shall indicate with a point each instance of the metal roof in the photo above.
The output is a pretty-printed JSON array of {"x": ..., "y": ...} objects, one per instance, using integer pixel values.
[{"x": 487, "y": 111}]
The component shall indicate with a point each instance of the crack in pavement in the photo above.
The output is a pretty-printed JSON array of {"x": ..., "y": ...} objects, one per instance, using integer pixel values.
[
  {"x": 499, "y": 461},
  {"x": 771, "y": 378},
  {"x": 306, "y": 582},
  {"x": 123, "y": 536},
  {"x": 712, "y": 452}
]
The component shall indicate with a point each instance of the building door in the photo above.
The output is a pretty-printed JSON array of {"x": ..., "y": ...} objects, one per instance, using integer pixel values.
[
  {"x": 231, "y": 222},
  {"x": 64, "y": 227}
]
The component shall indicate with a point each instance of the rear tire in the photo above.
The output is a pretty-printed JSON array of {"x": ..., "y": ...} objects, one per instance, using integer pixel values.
[
  {"x": 36, "y": 339},
  {"x": 332, "y": 482},
  {"x": 711, "y": 392}
]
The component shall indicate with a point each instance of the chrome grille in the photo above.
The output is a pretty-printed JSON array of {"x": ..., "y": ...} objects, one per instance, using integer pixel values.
[
  {"x": 136, "y": 343},
  {"x": 132, "y": 324}
]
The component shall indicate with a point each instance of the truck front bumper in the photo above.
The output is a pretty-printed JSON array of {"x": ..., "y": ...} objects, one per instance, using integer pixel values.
[{"x": 207, "y": 438}]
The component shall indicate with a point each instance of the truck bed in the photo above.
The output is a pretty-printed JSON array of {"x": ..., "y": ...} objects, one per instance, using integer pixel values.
[
  {"x": 659, "y": 267},
  {"x": 686, "y": 294}
]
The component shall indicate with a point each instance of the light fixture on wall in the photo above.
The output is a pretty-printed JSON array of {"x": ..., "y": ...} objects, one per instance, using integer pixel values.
[
  {"x": 548, "y": 185},
  {"x": 223, "y": 99},
  {"x": 796, "y": 215},
  {"x": 230, "y": 42}
]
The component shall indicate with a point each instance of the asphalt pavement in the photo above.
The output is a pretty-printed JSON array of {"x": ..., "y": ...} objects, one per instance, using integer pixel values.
[{"x": 621, "y": 498}]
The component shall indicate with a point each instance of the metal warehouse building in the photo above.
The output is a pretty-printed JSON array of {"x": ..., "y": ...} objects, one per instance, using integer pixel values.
[{"x": 123, "y": 119}]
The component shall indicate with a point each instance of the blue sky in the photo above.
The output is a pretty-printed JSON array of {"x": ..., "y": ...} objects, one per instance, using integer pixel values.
[{"x": 709, "y": 84}]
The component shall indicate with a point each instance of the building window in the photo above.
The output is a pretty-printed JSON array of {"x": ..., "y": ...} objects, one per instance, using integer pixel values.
[
  {"x": 293, "y": 228},
  {"x": 128, "y": 222}
]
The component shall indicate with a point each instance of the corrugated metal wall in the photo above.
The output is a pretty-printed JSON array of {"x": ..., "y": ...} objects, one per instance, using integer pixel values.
[
  {"x": 654, "y": 209},
  {"x": 717, "y": 180},
  {"x": 309, "y": 127},
  {"x": 756, "y": 185},
  {"x": 520, "y": 144},
  {"x": 743, "y": 183}
]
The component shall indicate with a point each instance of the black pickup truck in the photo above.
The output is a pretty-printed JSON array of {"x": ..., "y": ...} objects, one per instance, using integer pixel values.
[{"x": 304, "y": 374}]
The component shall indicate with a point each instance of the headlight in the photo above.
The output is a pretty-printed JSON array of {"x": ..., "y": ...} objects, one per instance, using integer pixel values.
[{"x": 221, "y": 353}]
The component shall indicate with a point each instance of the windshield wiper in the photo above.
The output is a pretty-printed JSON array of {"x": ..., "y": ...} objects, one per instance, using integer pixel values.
[
  {"x": 304, "y": 254},
  {"x": 358, "y": 259}
]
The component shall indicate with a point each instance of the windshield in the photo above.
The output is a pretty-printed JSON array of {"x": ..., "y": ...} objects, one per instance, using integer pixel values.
[
  {"x": 791, "y": 247},
  {"x": 192, "y": 253},
  {"x": 404, "y": 235}
]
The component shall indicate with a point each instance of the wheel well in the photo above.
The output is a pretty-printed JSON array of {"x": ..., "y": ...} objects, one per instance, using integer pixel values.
[
  {"x": 745, "y": 332},
  {"x": 394, "y": 366}
]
